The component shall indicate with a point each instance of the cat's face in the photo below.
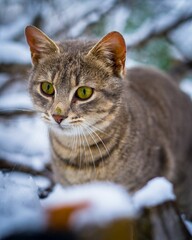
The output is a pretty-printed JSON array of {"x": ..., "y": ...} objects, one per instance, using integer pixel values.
[{"x": 74, "y": 86}]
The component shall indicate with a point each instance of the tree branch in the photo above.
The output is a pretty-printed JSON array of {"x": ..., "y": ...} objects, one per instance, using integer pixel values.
[{"x": 159, "y": 27}]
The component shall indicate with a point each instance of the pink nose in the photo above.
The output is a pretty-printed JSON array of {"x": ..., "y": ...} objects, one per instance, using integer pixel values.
[{"x": 58, "y": 118}]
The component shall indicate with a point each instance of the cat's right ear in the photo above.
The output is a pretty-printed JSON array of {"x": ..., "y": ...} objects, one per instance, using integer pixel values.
[
  {"x": 111, "y": 50},
  {"x": 41, "y": 46}
]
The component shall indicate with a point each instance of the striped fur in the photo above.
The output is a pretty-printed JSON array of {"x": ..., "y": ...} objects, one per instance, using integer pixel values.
[{"x": 132, "y": 129}]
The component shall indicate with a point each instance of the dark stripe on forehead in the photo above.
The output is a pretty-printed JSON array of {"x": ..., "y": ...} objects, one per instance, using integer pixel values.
[
  {"x": 77, "y": 77},
  {"x": 53, "y": 74}
]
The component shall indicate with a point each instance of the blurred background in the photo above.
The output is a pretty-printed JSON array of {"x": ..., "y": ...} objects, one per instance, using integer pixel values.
[{"x": 158, "y": 33}]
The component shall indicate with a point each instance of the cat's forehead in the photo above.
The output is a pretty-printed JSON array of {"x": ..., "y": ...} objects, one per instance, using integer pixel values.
[
  {"x": 76, "y": 46},
  {"x": 71, "y": 67},
  {"x": 71, "y": 57},
  {"x": 65, "y": 72}
]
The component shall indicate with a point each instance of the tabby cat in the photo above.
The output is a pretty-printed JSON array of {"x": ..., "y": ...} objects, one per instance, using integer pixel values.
[{"x": 106, "y": 122}]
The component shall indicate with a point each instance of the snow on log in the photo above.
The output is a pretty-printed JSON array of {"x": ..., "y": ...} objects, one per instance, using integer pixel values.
[{"x": 93, "y": 210}]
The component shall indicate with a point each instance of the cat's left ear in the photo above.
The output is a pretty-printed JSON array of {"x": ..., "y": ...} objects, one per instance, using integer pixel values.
[
  {"x": 111, "y": 49},
  {"x": 41, "y": 46}
]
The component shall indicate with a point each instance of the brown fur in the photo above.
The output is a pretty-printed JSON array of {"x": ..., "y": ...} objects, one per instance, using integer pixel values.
[{"x": 139, "y": 123}]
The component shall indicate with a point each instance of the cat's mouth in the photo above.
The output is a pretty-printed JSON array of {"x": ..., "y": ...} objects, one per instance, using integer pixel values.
[{"x": 69, "y": 125}]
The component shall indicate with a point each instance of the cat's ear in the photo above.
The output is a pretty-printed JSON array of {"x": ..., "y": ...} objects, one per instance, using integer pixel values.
[
  {"x": 41, "y": 46},
  {"x": 111, "y": 49}
]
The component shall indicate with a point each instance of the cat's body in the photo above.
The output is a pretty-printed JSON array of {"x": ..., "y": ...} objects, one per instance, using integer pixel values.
[{"x": 131, "y": 128}]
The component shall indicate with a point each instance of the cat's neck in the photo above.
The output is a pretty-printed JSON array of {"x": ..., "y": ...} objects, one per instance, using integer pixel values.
[{"x": 93, "y": 146}]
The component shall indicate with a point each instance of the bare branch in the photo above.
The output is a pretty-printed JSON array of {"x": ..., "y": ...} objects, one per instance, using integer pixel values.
[{"x": 11, "y": 166}]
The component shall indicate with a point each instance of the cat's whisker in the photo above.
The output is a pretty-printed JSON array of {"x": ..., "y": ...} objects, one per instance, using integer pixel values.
[
  {"x": 94, "y": 132},
  {"x": 83, "y": 143},
  {"x": 97, "y": 128},
  {"x": 73, "y": 144},
  {"x": 92, "y": 136},
  {"x": 89, "y": 149},
  {"x": 102, "y": 131},
  {"x": 45, "y": 119},
  {"x": 79, "y": 137}
]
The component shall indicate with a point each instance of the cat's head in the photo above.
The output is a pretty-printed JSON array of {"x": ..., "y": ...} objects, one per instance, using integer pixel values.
[{"x": 76, "y": 85}]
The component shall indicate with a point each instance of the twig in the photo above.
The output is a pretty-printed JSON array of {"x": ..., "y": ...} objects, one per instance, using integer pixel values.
[
  {"x": 9, "y": 166},
  {"x": 5, "y": 113}
]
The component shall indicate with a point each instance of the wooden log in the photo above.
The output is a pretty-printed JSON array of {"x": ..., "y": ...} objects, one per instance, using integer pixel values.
[{"x": 162, "y": 222}]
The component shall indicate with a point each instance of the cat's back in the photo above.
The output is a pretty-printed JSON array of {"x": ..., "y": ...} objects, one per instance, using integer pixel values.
[
  {"x": 145, "y": 80},
  {"x": 156, "y": 87},
  {"x": 169, "y": 108}
]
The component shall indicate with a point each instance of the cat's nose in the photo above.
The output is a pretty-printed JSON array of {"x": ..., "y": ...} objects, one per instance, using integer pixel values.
[{"x": 58, "y": 118}]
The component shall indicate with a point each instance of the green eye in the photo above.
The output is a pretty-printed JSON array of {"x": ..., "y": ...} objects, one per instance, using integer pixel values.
[
  {"x": 47, "y": 88},
  {"x": 84, "y": 93}
]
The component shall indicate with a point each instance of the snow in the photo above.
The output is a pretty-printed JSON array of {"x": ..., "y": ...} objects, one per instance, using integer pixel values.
[
  {"x": 42, "y": 182},
  {"x": 120, "y": 16},
  {"x": 186, "y": 86},
  {"x": 96, "y": 10},
  {"x": 24, "y": 140},
  {"x": 109, "y": 201},
  {"x": 155, "y": 192},
  {"x": 72, "y": 17},
  {"x": 3, "y": 78},
  {"x": 15, "y": 100},
  {"x": 189, "y": 226},
  {"x": 20, "y": 209},
  {"x": 182, "y": 38},
  {"x": 9, "y": 31},
  {"x": 13, "y": 52}
]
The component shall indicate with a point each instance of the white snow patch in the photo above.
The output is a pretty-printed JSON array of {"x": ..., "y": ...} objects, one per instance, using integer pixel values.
[
  {"x": 12, "y": 52},
  {"x": 182, "y": 38},
  {"x": 41, "y": 182},
  {"x": 15, "y": 28},
  {"x": 24, "y": 140},
  {"x": 3, "y": 78},
  {"x": 188, "y": 226},
  {"x": 186, "y": 86},
  {"x": 155, "y": 192},
  {"x": 20, "y": 208},
  {"x": 109, "y": 201},
  {"x": 117, "y": 19},
  {"x": 14, "y": 101},
  {"x": 82, "y": 18}
]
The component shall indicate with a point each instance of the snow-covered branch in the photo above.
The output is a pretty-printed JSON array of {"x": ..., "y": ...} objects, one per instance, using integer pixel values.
[
  {"x": 159, "y": 27},
  {"x": 82, "y": 17}
]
